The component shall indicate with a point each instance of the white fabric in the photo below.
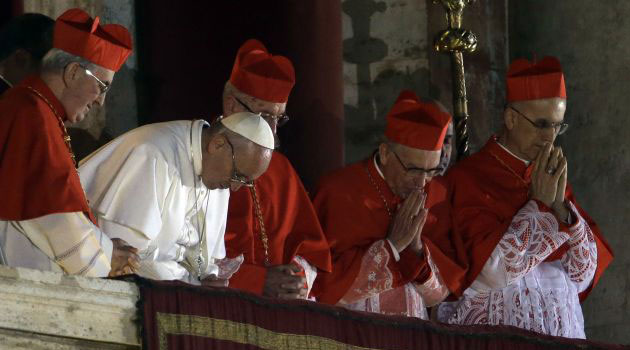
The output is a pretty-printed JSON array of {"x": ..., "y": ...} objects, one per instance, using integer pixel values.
[
  {"x": 514, "y": 155},
  {"x": 394, "y": 250},
  {"x": 228, "y": 267},
  {"x": 373, "y": 290},
  {"x": 310, "y": 272},
  {"x": 62, "y": 242},
  {"x": 145, "y": 188},
  {"x": 251, "y": 126},
  {"x": 517, "y": 287}
]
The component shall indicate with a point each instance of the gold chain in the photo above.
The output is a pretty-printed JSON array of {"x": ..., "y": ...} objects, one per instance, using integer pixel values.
[
  {"x": 66, "y": 136},
  {"x": 378, "y": 189},
  {"x": 263, "y": 231}
]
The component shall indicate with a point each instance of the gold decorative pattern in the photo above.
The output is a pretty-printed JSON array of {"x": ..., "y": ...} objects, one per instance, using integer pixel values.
[
  {"x": 243, "y": 333},
  {"x": 455, "y": 40},
  {"x": 66, "y": 136},
  {"x": 261, "y": 222}
]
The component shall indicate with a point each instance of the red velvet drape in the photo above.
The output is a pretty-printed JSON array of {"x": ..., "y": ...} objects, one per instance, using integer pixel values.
[{"x": 183, "y": 317}]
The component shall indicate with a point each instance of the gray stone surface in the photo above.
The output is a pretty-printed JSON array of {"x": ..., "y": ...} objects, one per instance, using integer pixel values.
[
  {"x": 47, "y": 310},
  {"x": 385, "y": 50},
  {"x": 592, "y": 40}
]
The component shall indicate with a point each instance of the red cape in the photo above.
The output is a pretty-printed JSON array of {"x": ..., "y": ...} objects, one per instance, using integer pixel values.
[
  {"x": 487, "y": 195},
  {"x": 354, "y": 216},
  {"x": 37, "y": 174},
  {"x": 290, "y": 221}
]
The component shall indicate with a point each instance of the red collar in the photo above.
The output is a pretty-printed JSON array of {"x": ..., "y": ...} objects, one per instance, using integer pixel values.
[
  {"x": 508, "y": 160},
  {"x": 390, "y": 197},
  {"x": 38, "y": 84}
]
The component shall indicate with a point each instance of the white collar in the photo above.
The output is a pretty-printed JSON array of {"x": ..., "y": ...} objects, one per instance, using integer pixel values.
[
  {"x": 513, "y": 155},
  {"x": 195, "y": 143},
  {"x": 376, "y": 166},
  {"x": 6, "y": 81}
]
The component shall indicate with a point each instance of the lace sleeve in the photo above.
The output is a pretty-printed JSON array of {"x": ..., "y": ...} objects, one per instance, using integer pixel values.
[
  {"x": 434, "y": 290},
  {"x": 580, "y": 261},
  {"x": 374, "y": 277},
  {"x": 532, "y": 236}
]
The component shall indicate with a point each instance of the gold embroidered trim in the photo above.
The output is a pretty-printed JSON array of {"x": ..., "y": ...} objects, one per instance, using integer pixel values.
[{"x": 242, "y": 333}]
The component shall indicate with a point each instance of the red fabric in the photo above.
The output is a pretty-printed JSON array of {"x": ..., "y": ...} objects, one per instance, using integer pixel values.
[
  {"x": 218, "y": 318},
  {"x": 535, "y": 80},
  {"x": 417, "y": 124},
  {"x": 37, "y": 175},
  {"x": 259, "y": 74},
  {"x": 290, "y": 221},
  {"x": 354, "y": 216},
  {"x": 487, "y": 195},
  {"x": 77, "y": 33}
]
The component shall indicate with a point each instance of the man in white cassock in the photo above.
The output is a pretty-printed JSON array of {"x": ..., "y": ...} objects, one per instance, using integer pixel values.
[{"x": 164, "y": 188}]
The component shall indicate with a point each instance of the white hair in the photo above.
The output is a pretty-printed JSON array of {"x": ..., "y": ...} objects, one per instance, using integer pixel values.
[{"x": 56, "y": 60}]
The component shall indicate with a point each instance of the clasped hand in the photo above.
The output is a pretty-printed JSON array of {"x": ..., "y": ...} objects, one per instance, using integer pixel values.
[
  {"x": 405, "y": 230},
  {"x": 549, "y": 180}
]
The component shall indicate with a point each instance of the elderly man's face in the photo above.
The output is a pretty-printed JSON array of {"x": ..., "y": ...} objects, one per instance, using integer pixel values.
[
  {"x": 270, "y": 111},
  {"x": 532, "y": 124},
  {"x": 406, "y": 169},
  {"x": 229, "y": 164},
  {"x": 84, "y": 90}
]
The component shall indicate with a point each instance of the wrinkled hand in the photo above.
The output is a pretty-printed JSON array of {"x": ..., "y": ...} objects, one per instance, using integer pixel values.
[
  {"x": 125, "y": 260},
  {"x": 548, "y": 168},
  {"x": 214, "y": 281},
  {"x": 282, "y": 282},
  {"x": 408, "y": 221}
]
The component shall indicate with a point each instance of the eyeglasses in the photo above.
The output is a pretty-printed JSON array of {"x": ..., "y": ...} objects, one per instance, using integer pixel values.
[
  {"x": 413, "y": 171},
  {"x": 558, "y": 128},
  {"x": 236, "y": 177},
  {"x": 104, "y": 87},
  {"x": 279, "y": 119}
]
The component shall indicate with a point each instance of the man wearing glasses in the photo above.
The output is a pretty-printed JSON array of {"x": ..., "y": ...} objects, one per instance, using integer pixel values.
[
  {"x": 165, "y": 187},
  {"x": 373, "y": 213},
  {"x": 46, "y": 222},
  {"x": 533, "y": 253},
  {"x": 272, "y": 226}
]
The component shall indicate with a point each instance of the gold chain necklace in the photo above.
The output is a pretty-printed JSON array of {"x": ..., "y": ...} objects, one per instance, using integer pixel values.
[
  {"x": 66, "y": 136},
  {"x": 378, "y": 189},
  {"x": 263, "y": 231}
]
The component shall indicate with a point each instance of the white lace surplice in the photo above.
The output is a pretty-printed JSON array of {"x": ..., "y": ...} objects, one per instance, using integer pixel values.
[
  {"x": 517, "y": 287},
  {"x": 372, "y": 289}
]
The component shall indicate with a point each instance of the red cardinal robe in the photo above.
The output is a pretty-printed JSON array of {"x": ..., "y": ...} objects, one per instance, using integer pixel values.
[
  {"x": 489, "y": 188},
  {"x": 37, "y": 174},
  {"x": 354, "y": 217},
  {"x": 290, "y": 221}
]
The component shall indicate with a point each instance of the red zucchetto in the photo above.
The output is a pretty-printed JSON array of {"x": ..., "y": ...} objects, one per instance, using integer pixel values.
[
  {"x": 261, "y": 75},
  {"x": 417, "y": 124},
  {"x": 533, "y": 81},
  {"x": 78, "y": 34}
]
